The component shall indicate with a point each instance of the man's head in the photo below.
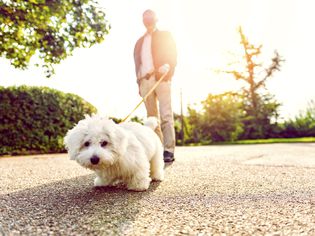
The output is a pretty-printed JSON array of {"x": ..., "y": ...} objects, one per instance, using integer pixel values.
[{"x": 149, "y": 20}]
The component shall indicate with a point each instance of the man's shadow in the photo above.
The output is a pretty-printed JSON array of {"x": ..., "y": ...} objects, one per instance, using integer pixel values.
[{"x": 71, "y": 206}]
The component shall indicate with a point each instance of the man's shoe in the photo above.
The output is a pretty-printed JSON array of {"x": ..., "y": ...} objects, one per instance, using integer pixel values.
[{"x": 168, "y": 156}]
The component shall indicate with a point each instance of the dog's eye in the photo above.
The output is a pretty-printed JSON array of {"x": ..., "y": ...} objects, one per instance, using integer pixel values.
[
  {"x": 86, "y": 144},
  {"x": 104, "y": 143}
]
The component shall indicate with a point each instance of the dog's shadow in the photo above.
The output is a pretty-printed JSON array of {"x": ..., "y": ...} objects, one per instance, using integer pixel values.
[{"x": 74, "y": 202}]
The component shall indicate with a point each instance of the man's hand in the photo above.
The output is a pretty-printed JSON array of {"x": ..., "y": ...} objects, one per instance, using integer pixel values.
[{"x": 164, "y": 69}]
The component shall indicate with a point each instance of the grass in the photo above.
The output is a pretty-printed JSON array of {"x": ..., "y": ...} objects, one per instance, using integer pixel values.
[
  {"x": 274, "y": 140},
  {"x": 258, "y": 141}
]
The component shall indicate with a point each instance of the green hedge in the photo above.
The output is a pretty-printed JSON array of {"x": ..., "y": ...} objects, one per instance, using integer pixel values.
[{"x": 36, "y": 119}]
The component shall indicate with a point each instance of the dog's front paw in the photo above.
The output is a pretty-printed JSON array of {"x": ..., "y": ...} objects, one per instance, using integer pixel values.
[
  {"x": 158, "y": 176},
  {"x": 99, "y": 182},
  {"x": 138, "y": 188},
  {"x": 139, "y": 185}
]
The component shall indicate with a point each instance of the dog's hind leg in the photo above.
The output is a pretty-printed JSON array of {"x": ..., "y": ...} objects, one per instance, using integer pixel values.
[
  {"x": 140, "y": 181},
  {"x": 157, "y": 167}
]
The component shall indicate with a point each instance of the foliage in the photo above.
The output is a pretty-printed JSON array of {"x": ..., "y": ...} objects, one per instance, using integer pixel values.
[
  {"x": 116, "y": 120},
  {"x": 252, "y": 113},
  {"x": 132, "y": 119},
  {"x": 137, "y": 119},
  {"x": 261, "y": 122},
  {"x": 48, "y": 29},
  {"x": 260, "y": 106},
  {"x": 219, "y": 120},
  {"x": 303, "y": 125},
  {"x": 195, "y": 122},
  {"x": 224, "y": 119},
  {"x": 35, "y": 119},
  {"x": 183, "y": 130},
  {"x": 274, "y": 140}
]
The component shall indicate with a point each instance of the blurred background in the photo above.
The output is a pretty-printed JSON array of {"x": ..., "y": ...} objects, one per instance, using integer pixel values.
[{"x": 245, "y": 67}]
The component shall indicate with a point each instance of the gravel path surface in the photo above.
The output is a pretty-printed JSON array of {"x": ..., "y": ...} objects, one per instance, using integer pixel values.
[{"x": 232, "y": 190}]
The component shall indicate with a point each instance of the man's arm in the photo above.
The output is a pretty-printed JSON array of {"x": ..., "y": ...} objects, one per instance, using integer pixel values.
[
  {"x": 173, "y": 50},
  {"x": 164, "y": 51},
  {"x": 137, "y": 57}
]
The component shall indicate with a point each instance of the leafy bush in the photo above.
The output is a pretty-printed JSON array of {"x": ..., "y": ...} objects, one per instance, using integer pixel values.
[
  {"x": 35, "y": 119},
  {"x": 303, "y": 125},
  {"x": 220, "y": 119},
  {"x": 259, "y": 123}
]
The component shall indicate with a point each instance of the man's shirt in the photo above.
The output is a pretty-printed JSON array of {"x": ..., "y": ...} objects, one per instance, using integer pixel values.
[{"x": 146, "y": 56}]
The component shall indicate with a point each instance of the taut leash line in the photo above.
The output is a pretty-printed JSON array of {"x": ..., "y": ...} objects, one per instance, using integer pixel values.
[{"x": 145, "y": 97}]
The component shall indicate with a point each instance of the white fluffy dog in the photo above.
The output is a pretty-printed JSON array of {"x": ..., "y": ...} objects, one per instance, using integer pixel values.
[{"x": 127, "y": 153}]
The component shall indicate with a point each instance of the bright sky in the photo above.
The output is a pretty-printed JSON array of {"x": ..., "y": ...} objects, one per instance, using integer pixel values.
[{"x": 205, "y": 32}]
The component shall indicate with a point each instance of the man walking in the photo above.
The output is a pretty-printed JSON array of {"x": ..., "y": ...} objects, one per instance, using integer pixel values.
[{"x": 155, "y": 54}]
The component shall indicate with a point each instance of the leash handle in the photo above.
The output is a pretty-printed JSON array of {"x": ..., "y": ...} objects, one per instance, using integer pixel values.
[{"x": 145, "y": 97}]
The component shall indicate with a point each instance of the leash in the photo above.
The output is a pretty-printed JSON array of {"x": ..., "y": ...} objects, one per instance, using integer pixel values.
[{"x": 146, "y": 96}]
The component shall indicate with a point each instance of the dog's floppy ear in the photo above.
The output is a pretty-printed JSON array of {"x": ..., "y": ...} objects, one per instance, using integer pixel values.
[
  {"x": 73, "y": 140},
  {"x": 122, "y": 139},
  {"x": 69, "y": 144},
  {"x": 117, "y": 136}
]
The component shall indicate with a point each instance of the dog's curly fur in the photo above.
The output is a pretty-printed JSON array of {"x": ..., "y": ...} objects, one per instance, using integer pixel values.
[{"x": 127, "y": 153}]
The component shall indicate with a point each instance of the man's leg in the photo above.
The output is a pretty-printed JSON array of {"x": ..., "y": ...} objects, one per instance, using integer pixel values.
[
  {"x": 151, "y": 103},
  {"x": 163, "y": 92}
]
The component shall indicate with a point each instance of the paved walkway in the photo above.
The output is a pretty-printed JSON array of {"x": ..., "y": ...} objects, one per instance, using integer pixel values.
[{"x": 243, "y": 189}]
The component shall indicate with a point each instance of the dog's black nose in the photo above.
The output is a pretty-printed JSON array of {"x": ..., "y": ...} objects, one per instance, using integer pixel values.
[{"x": 95, "y": 160}]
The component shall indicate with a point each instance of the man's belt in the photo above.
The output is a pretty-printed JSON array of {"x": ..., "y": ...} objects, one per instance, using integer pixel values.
[{"x": 147, "y": 75}]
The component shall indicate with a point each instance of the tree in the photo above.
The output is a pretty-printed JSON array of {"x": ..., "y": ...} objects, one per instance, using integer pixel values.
[
  {"x": 183, "y": 130},
  {"x": 260, "y": 106},
  {"x": 48, "y": 29},
  {"x": 303, "y": 125},
  {"x": 223, "y": 115},
  {"x": 220, "y": 118},
  {"x": 195, "y": 126}
]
